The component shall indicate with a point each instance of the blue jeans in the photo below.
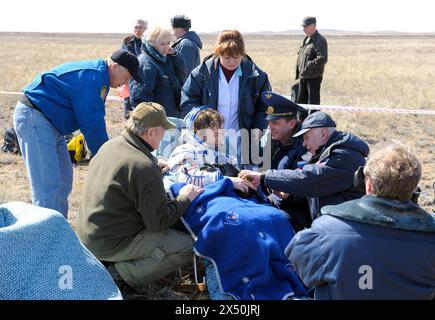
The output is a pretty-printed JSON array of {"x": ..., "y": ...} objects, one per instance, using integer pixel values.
[{"x": 46, "y": 157}]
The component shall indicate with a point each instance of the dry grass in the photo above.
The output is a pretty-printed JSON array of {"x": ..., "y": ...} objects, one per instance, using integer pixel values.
[{"x": 390, "y": 72}]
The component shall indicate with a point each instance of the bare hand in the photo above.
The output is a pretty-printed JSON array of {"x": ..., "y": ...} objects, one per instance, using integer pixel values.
[
  {"x": 163, "y": 165},
  {"x": 280, "y": 194},
  {"x": 251, "y": 176},
  {"x": 242, "y": 185},
  {"x": 191, "y": 191}
]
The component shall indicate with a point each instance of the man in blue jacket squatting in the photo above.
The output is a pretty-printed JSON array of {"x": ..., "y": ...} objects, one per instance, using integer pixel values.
[{"x": 58, "y": 102}]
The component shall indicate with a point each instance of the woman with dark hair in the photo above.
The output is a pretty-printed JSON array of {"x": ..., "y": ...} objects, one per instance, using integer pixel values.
[{"x": 230, "y": 82}]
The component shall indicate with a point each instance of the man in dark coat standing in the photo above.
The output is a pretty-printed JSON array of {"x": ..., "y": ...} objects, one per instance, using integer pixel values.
[
  {"x": 312, "y": 57},
  {"x": 187, "y": 44}
]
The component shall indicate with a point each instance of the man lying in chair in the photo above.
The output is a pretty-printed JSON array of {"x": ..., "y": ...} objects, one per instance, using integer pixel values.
[
  {"x": 239, "y": 233},
  {"x": 200, "y": 160}
]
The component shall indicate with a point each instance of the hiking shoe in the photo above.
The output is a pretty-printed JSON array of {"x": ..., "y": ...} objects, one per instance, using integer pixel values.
[
  {"x": 114, "y": 273},
  {"x": 127, "y": 292}
]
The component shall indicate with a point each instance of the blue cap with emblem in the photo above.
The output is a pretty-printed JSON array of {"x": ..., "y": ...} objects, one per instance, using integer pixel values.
[
  {"x": 278, "y": 106},
  {"x": 317, "y": 119}
]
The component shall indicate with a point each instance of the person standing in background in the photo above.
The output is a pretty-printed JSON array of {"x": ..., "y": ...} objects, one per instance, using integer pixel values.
[
  {"x": 133, "y": 43},
  {"x": 310, "y": 65},
  {"x": 187, "y": 44}
]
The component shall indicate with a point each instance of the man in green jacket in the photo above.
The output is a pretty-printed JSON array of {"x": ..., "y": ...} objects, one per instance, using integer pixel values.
[{"x": 125, "y": 215}]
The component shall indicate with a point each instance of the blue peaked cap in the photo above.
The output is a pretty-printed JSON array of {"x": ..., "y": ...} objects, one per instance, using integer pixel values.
[
  {"x": 278, "y": 106},
  {"x": 317, "y": 119}
]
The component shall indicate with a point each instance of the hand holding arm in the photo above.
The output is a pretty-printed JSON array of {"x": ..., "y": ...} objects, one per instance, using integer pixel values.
[
  {"x": 251, "y": 176},
  {"x": 242, "y": 185}
]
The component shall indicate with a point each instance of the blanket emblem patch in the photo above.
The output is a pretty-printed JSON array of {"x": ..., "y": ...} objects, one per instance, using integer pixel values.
[{"x": 232, "y": 218}]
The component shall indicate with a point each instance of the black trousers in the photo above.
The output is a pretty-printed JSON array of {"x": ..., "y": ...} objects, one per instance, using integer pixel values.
[
  {"x": 127, "y": 108},
  {"x": 309, "y": 91}
]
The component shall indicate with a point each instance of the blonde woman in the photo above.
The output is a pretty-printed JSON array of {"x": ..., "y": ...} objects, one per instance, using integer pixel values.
[{"x": 159, "y": 72}]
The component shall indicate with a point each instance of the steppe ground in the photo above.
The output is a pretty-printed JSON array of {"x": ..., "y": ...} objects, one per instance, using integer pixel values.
[{"x": 363, "y": 71}]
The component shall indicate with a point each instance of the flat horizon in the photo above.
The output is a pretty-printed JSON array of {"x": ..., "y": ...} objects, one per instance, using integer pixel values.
[{"x": 262, "y": 32}]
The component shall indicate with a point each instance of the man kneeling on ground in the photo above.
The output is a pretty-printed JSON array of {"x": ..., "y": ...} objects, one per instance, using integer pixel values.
[{"x": 125, "y": 215}]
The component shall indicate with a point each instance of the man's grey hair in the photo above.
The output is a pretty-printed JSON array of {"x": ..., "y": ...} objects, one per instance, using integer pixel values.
[
  {"x": 142, "y": 22},
  {"x": 330, "y": 130},
  {"x": 135, "y": 127},
  {"x": 394, "y": 170}
]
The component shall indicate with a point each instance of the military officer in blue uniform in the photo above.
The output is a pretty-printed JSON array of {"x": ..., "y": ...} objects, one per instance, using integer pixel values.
[
  {"x": 283, "y": 120},
  {"x": 58, "y": 102}
]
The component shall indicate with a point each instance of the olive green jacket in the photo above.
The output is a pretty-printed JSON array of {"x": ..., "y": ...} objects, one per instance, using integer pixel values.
[{"x": 124, "y": 194}]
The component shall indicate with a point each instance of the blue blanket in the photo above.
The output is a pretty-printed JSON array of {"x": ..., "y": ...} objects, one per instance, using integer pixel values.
[
  {"x": 41, "y": 258},
  {"x": 245, "y": 240}
]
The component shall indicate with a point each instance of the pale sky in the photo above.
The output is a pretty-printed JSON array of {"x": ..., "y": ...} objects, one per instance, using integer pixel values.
[{"x": 215, "y": 15}]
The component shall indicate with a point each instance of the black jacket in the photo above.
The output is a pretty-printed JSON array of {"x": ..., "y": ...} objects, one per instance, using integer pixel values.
[{"x": 312, "y": 57}]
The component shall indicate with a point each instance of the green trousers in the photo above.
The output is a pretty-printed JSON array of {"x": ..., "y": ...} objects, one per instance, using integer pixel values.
[{"x": 152, "y": 255}]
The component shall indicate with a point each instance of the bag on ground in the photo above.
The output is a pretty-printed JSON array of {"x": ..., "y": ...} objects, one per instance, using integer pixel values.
[
  {"x": 10, "y": 144},
  {"x": 76, "y": 148}
]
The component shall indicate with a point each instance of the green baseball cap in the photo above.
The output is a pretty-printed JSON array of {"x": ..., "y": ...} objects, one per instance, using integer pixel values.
[{"x": 151, "y": 115}]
